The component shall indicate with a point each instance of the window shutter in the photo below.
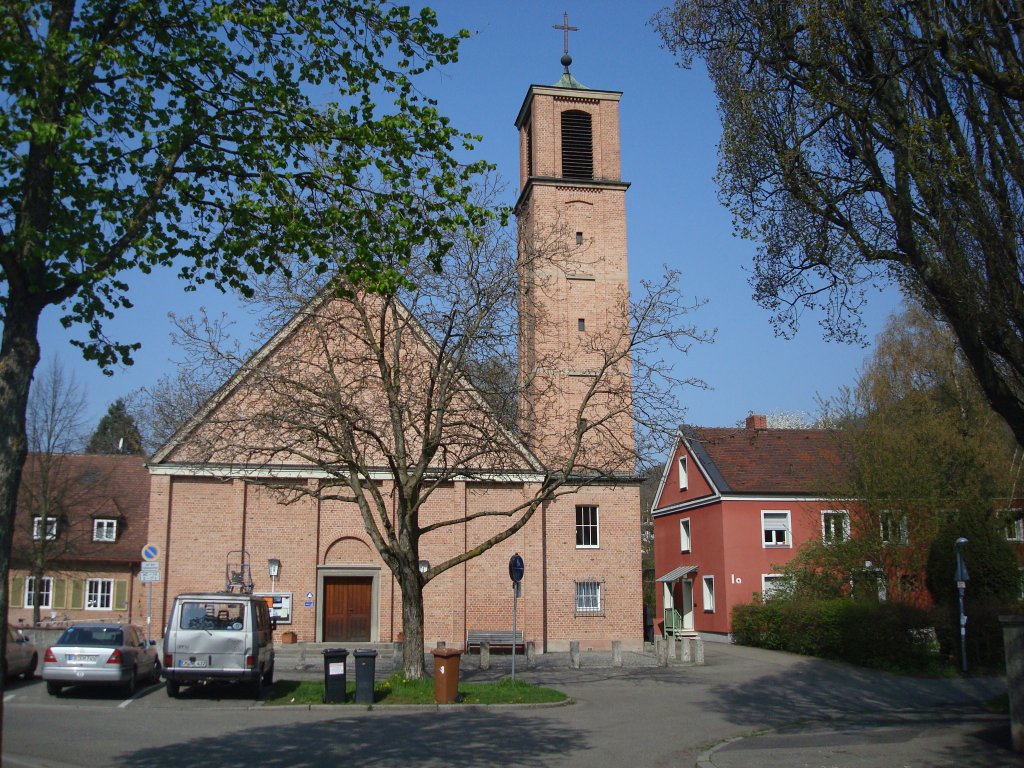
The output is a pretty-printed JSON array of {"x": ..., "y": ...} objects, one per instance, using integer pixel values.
[
  {"x": 120, "y": 595},
  {"x": 77, "y": 594},
  {"x": 17, "y": 592},
  {"x": 60, "y": 593}
]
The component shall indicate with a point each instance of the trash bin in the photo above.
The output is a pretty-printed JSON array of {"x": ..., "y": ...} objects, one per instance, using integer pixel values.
[
  {"x": 334, "y": 675},
  {"x": 366, "y": 671},
  {"x": 446, "y": 674}
]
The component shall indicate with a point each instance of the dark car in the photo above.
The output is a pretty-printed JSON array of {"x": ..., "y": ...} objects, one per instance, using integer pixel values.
[
  {"x": 22, "y": 656},
  {"x": 100, "y": 654}
]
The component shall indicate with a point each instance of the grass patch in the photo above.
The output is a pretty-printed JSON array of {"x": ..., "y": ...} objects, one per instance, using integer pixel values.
[{"x": 397, "y": 690}]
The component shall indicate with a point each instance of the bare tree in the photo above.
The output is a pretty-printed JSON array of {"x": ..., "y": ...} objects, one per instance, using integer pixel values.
[{"x": 403, "y": 384}]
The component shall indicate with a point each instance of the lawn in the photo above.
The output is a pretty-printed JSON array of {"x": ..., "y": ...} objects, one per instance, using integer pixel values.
[{"x": 397, "y": 690}]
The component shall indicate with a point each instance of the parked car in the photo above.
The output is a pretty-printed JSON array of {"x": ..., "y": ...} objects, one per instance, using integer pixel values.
[
  {"x": 22, "y": 656},
  {"x": 100, "y": 654}
]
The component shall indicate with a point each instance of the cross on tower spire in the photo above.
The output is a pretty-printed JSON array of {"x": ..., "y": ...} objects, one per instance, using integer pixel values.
[{"x": 566, "y": 29}]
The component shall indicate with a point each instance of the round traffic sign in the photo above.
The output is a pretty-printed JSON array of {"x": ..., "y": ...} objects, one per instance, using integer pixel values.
[
  {"x": 516, "y": 568},
  {"x": 150, "y": 552}
]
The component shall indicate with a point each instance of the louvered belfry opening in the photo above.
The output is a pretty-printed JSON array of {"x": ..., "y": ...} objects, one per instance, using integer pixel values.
[{"x": 577, "y": 145}]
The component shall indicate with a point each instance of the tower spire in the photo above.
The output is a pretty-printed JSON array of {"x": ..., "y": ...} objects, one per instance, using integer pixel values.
[{"x": 566, "y": 29}]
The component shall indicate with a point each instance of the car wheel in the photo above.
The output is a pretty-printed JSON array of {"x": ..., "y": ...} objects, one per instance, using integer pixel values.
[
  {"x": 173, "y": 688},
  {"x": 31, "y": 671},
  {"x": 129, "y": 687},
  {"x": 53, "y": 688},
  {"x": 257, "y": 686},
  {"x": 155, "y": 677},
  {"x": 268, "y": 678}
]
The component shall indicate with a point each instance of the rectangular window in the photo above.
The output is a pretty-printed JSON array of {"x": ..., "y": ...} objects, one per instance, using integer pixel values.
[
  {"x": 586, "y": 526},
  {"x": 45, "y": 592},
  {"x": 774, "y": 585},
  {"x": 835, "y": 526},
  {"x": 104, "y": 530},
  {"x": 893, "y": 528},
  {"x": 588, "y": 597},
  {"x": 684, "y": 535},
  {"x": 709, "y": 594},
  {"x": 99, "y": 594},
  {"x": 775, "y": 530},
  {"x": 37, "y": 528},
  {"x": 684, "y": 476},
  {"x": 581, "y": 324},
  {"x": 1014, "y": 528}
]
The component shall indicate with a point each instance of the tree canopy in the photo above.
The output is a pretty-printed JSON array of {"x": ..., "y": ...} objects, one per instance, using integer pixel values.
[
  {"x": 116, "y": 432},
  {"x": 869, "y": 142}
]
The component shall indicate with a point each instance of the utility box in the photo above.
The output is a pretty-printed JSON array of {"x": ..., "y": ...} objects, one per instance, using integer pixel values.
[
  {"x": 335, "y": 679},
  {"x": 366, "y": 672},
  {"x": 446, "y": 674}
]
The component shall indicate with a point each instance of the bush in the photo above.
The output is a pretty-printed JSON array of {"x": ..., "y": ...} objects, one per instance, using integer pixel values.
[{"x": 882, "y": 635}]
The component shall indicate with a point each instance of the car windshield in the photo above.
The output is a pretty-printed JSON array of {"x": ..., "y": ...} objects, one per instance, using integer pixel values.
[
  {"x": 212, "y": 615},
  {"x": 107, "y": 636}
]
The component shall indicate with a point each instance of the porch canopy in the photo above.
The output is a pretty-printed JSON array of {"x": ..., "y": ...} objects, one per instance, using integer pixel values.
[{"x": 677, "y": 573}]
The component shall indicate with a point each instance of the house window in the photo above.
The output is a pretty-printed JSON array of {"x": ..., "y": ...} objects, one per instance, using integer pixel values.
[
  {"x": 579, "y": 238},
  {"x": 37, "y": 528},
  {"x": 577, "y": 145},
  {"x": 684, "y": 477},
  {"x": 709, "y": 594},
  {"x": 104, "y": 530},
  {"x": 835, "y": 526},
  {"x": 684, "y": 535},
  {"x": 586, "y": 526},
  {"x": 893, "y": 528},
  {"x": 45, "y": 592},
  {"x": 99, "y": 594},
  {"x": 581, "y": 324},
  {"x": 588, "y": 597},
  {"x": 1014, "y": 528},
  {"x": 774, "y": 585},
  {"x": 775, "y": 530}
]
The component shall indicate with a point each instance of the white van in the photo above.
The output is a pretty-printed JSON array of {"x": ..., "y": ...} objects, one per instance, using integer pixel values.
[{"x": 218, "y": 636}]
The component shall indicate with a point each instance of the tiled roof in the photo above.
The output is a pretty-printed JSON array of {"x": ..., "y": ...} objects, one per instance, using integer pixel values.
[
  {"x": 768, "y": 461},
  {"x": 88, "y": 486}
]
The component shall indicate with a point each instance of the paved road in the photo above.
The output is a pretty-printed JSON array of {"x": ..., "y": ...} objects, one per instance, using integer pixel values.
[{"x": 807, "y": 712}]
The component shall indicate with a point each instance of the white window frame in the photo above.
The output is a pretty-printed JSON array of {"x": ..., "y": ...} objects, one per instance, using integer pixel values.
[
  {"x": 828, "y": 514},
  {"x": 37, "y": 528},
  {"x": 896, "y": 522},
  {"x": 767, "y": 578},
  {"x": 685, "y": 538},
  {"x": 1014, "y": 528},
  {"x": 787, "y": 529},
  {"x": 708, "y": 583},
  {"x": 684, "y": 473},
  {"x": 99, "y": 594},
  {"x": 45, "y": 594},
  {"x": 104, "y": 529},
  {"x": 588, "y": 531},
  {"x": 589, "y": 598}
]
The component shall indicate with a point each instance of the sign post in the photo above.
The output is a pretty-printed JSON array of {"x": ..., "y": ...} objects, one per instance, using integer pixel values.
[
  {"x": 962, "y": 577},
  {"x": 516, "y": 568},
  {"x": 149, "y": 572}
]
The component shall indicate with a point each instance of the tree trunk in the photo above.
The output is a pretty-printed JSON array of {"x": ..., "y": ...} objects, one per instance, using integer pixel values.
[
  {"x": 19, "y": 355},
  {"x": 412, "y": 624}
]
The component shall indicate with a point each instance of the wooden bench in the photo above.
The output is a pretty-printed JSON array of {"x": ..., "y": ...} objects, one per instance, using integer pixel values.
[{"x": 495, "y": 639}]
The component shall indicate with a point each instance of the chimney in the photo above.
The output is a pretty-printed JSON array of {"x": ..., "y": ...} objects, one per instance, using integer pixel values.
[{"x": 757, "y": 421}]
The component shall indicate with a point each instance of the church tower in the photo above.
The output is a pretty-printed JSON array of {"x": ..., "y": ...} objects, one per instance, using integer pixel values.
[{"x": 574, "y": 307}]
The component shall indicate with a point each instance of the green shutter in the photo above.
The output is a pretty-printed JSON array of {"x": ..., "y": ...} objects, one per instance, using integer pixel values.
[
  {"x": 120, "y": 595},
  {"x": 17, "y": 591},
  {"x": 60, "y": 593},
  {"x": 77, "y": 594}
]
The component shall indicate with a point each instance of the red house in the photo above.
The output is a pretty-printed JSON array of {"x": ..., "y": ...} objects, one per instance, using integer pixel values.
[{"x": 732, "y": 505}]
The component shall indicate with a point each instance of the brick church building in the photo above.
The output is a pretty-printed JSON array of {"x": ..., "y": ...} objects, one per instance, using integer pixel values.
[{"x": 312, "y": 556}]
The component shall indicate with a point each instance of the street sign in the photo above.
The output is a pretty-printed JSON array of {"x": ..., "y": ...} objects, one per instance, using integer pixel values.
[
  {"x": 149, "y": 577},
  {"x": 150, "y": 567},
  {"x": 516, "y": 568},
  {"x": 150, "y": 552}
]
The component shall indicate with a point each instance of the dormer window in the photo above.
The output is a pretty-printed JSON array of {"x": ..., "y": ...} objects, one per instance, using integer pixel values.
[
  {"x": 104, "y": 529},
  {"x": 39, "y": 529},
  {"x": 577, "y": 145}
]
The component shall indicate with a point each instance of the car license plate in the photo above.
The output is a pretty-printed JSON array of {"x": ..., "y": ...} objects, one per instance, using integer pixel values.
[
  {"x": 81, "y": 658},
  {"x": 192, "y": 663}
]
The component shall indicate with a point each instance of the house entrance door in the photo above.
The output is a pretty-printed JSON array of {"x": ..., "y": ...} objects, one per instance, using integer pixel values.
[
  {"x": 686, "y": 609},
  {"x": 348, "y": 602}
]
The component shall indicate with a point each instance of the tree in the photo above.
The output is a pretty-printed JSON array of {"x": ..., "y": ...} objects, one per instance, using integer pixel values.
[
  {"x": 870, "y": 142},
  {"x": 357, "y": 383},
  {"x": 138, "y": 135},
  {"x": 116, "y": 432}
]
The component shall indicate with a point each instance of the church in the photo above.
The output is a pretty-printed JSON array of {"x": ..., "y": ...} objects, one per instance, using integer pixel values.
[{"x": 258, "y": 507}]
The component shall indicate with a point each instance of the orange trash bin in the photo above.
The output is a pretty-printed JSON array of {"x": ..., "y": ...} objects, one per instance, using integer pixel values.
[{"x": 446, "y": 674}]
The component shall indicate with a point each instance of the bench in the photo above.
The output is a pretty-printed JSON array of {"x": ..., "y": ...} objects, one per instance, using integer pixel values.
[{"x": 495, "y": 639}]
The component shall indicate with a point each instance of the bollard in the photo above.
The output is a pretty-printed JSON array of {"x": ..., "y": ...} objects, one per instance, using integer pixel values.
[
  {"x": 662, "y": 650},
  {"x": 685, "y": 655},
  {"x": 697, "y": 650},
  {"x": 672, "y": 648},
  {"x": 616, "y": 653},
  {"x": 485, "y": 655},
  {"x": 531, "y": 655},
  {"x": 574, "y": 654}
]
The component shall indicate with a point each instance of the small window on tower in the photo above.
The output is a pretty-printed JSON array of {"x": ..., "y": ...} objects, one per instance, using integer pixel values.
[
  {"x": 581, "y": 324},
  {"x": 579, "y": 238}
]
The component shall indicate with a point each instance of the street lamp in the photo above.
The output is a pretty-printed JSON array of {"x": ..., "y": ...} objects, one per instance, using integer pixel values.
[{"x": 962, "y": 577}]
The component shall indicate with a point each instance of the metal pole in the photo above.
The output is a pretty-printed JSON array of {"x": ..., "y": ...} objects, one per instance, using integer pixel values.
[
  {"x": 149, "y": 609},
  {"x": 963, "y": 632},
  {"x": 515, "y": 604}
]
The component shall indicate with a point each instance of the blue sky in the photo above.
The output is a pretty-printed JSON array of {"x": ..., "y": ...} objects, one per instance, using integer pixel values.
[{"x": 670, "y": 130}]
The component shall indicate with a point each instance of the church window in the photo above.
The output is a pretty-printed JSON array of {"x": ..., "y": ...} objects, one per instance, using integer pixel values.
[
  {"x": 577, "y": 145},
  {"x": 586, "y": 526},
  {"x": 579, "y": 238},
  {"x": 581, "y": 324}
]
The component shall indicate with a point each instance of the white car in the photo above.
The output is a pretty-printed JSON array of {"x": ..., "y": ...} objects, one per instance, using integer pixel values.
[{"x": 100, "y": 654}]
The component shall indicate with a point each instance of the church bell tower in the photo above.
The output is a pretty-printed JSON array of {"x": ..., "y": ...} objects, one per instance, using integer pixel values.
[{"x": 574, "y": 358}]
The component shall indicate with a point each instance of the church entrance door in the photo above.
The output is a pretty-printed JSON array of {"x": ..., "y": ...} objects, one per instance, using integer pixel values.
[{"x": 348, "y": 601}]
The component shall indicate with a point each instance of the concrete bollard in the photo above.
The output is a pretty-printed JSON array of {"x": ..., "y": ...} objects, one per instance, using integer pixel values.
[
  {"x": 574, "y": 654},
  {"x": 485, "y": 655},
  {"x": 697, "y": 650},
  {"x": 661, "y": 647},
  {"x": 685, "y": 654},
  {"x": 616, "y": 653},
  {"x": 672, "y": 648},
  {"x": 1013, "y": 645},
  {"x": 531, "y": 655}
]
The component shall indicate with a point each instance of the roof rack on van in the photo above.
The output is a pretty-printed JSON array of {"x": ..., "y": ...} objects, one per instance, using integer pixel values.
[{"x": 237, "y": 573}]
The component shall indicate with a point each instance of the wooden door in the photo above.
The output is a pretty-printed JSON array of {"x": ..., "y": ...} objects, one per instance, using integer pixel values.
[{"x": 348, "y": 601}]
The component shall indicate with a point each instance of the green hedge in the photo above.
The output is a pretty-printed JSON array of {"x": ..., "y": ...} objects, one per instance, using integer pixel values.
[{"x": 884, "y": 635}]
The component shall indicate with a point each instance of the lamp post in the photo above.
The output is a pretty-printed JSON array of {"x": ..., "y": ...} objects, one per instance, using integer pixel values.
[{"x": 962, "y": 577}]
